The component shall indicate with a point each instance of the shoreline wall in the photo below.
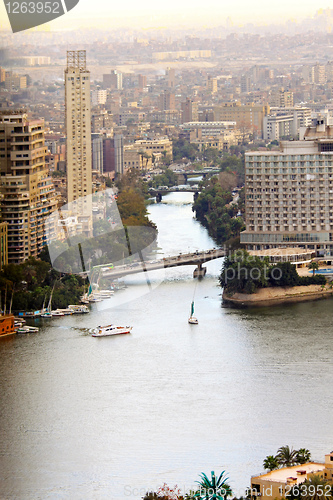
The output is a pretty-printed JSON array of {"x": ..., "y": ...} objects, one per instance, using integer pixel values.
[{"x": 278, "y": 295}]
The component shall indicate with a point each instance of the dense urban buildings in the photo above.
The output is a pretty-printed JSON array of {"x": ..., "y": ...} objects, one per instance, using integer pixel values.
[{"x": 27, "y": 192}]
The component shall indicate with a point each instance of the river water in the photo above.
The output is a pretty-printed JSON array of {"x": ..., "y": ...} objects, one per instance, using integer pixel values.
[{"x": 109, "y": 418}]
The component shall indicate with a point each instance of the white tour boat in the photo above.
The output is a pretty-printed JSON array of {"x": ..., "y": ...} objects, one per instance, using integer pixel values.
[{"x": 108, "y": 330}]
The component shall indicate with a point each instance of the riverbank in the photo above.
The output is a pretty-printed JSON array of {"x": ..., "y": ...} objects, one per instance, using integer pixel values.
[{"x": 278, "y": 295}]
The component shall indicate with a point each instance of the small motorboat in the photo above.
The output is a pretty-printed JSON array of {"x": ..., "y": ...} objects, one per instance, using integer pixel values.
[
  {"x": 27, "y": 329},
  {"x": 108, "y": 330},
  {"x": 93, "y": 298},
  {"x": 65, "y": 312},
  {"x": 78, "y": 309},
  {"x": 46, "y": 314},
  {"x": 57, "y": 312}
]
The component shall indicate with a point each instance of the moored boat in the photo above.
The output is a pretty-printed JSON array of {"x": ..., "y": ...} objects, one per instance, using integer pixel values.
[
  {"x": 57, "y": 312},
  {"x": 46, "y": 314},
  {"x": 7, "y": 325},
  {"x": 66, "y": 312},
  {"x": 19, "y": 319},
  {"x": 78, "y": 309},
  {"x": 93, "y": 298},
  {"x": 108, "y": 330},
  {"x": 27, "y": 329}
]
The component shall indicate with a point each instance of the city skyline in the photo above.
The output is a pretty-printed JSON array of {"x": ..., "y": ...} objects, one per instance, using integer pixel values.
[{"x": 146, "y": 15}]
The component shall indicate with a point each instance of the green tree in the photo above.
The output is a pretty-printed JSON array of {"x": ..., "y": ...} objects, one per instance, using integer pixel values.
[
  {"x": 283, "y": 274},
  {"x": 315, "y": 488},
  {"x": 244, "y": 273},
  {"x": 314, "y": 266},
  {"x": 212, "y": 208},
  {"x": 181, "y": 148},
  {"x": 271, "y": 462},
  {"x": 286, "y": 456},
  {"x": 303, "y": 456}
]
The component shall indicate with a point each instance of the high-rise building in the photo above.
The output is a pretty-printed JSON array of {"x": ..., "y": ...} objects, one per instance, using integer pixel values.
[
  {"x": 190, "y": 111},
  {"x": 318, "y": 74},
  {"x": 289, "y": 194},
  {"x": 78, "y": 130},
  {"x": 114, "y": 80},
  {"x": 245, "y": 84},
  {"x": 171, "y": 77},
  {"x": 142, "y": 81},
  {"x": 97, "y": 152},
  {"x": 27, "y": 192},
  {"x": 211, "y": 84},
  {"x": 167, "y": 101},
  {"x": 118, "y": 142},
  {"x": 113, "y": 154}
]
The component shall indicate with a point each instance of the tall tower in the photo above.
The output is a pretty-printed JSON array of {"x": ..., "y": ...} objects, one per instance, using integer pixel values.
[{"x": 78, "y": 130}]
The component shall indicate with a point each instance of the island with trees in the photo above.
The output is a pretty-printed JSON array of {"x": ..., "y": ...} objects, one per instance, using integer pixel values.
[{"x": 249, "y": 280}]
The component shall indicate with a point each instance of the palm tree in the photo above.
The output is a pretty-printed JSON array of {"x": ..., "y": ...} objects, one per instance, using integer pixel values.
[
  {"x": 286, "y": 456},
  {"x": 316, "y": 488},
  {"x": 303, "y": 456},
  {"x": 214, "y": 488},
  {"x": 314, "y": 266},
  {"x": 271, "y": 462}
]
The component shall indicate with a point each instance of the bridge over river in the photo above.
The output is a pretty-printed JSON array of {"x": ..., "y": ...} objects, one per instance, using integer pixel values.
[{"x": 189, "y": 259}]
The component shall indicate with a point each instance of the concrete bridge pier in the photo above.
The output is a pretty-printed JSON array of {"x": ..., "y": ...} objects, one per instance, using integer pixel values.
[
  {"x": 158, "y": 197},
  {"x": 200, "y": 271}
]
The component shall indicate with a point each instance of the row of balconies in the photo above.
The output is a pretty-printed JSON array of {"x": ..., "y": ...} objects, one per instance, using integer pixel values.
[
  {"x": 291, "y": 210},
  {"x": 289, "y": 220},
  {"x": 281, "y": 227}
]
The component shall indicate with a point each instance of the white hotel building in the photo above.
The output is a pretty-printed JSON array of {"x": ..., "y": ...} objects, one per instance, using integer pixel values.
[{"x": 289, "y": 194}]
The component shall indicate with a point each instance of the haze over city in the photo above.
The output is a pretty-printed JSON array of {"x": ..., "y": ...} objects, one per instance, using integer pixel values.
[{"x": 195, "y": 14}]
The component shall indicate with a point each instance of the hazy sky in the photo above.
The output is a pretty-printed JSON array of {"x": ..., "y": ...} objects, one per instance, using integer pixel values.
[{"x": 162, "y": 13}]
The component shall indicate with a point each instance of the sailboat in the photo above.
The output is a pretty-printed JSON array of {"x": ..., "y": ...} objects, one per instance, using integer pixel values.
[
  {"x": 192, "y": 320},
  {"x": 46, "y": 313}
]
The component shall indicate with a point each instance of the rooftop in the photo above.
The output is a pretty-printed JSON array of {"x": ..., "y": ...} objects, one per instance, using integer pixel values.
[
  {"x": 281, "y": 475},
  {"x": 280, "y": 252}
]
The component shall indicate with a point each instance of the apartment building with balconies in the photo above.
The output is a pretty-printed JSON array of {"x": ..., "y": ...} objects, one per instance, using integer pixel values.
[
  {"x": 289, "y": 195},
  {"x": 27, "y": 192}
]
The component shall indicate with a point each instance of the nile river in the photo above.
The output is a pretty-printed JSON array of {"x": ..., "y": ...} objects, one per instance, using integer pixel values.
[{"x": 86, "y": 418}]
